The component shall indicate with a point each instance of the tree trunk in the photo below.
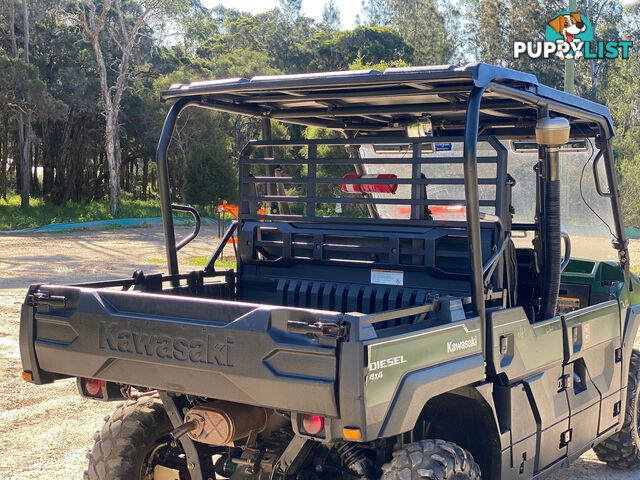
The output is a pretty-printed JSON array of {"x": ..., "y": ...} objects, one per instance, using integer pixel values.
[
  {"x": 26, "y": 164},
  {"x": 12, "y": 27},
  {"x": 61, "y": 179},
  {"x": 594, "y": 71},
  {"x": 114, "y": 159},
  {"x": 4, "y": 157},
  {"x": 145, "y": 177},
  {"x": 34, "y": 170},
  {"x": 47, "y": 160},
  {"x": 27, "y": 136},
  {"x": 135, "y": 179}
]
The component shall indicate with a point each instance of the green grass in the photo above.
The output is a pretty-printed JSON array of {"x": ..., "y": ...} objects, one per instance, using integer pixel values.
[
  {"x": 12, "y": 217},
  {"x": 198, "y": 261},
  {"x": 636, "y": 270}
]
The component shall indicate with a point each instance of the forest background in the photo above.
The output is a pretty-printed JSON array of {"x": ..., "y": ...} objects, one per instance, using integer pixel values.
[{"x": 80, "y": 114}]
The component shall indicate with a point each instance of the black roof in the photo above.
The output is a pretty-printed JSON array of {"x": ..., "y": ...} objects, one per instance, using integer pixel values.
[{"x": 370, "y": 101}]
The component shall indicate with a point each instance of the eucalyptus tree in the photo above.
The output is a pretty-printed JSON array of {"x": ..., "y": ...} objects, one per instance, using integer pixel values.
[{"x": 116, "y": 27}]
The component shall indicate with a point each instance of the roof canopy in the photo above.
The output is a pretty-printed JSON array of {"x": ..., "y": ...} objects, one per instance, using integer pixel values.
[{"x": 370, "y": 102}]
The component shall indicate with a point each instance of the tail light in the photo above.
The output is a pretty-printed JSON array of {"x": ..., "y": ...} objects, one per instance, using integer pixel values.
[
  {"x": 368, "y": 187},
  {"x": 313, "y": 424},
  {"x": 102, "y": 390},
  {"x": 93, "y": 387}
]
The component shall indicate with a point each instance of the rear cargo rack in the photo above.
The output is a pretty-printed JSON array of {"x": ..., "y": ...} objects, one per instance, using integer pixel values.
[{"x": 266, "y": 192}]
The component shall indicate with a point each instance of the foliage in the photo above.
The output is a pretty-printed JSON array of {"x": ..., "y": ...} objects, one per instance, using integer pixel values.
[
  {"x": 623, "y": 97},
  {"x": 197, "y": 261},
  {"x": 209, "y": 175},
  {"x": 181, "y": 42},
  {"x": 331, "y": 15},
  {"x": 12, "y": 217}
]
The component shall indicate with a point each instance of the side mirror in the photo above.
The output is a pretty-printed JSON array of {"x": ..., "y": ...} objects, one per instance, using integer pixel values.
[{"x": 552, "y": 131}]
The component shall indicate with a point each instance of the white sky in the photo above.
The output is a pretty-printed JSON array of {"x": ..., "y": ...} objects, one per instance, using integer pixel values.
[{"x": 311, "y": 8}]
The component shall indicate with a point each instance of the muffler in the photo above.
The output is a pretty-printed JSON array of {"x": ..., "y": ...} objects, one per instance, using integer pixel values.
[{"x": 222, "y": 423}]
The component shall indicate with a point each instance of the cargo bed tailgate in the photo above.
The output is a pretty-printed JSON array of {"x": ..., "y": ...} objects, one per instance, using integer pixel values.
[{"x": 220, "y": 349}]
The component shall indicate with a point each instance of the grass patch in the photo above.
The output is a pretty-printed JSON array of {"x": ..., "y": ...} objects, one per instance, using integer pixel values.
[
  {"x": 156, "y": 260},
  {"x": 636, "y": 269},
  {"x": 198, "y": 262},
  {"x": 13, "y": 217}
]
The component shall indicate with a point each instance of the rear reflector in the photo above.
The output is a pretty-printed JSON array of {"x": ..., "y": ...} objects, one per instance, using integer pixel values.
[
  {"x": 370, "y": 188},
  {"x": 93, "y": 386},
  {"x": 351, "y": 433},
  {"x": 313, "y": 424},
  {"x": 28, "y": 376}
]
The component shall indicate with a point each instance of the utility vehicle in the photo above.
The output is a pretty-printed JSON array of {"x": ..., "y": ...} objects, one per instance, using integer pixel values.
[{"x": 442, "y": 290}]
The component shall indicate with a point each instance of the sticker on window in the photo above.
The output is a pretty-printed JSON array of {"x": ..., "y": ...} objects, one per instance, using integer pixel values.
[{"x": 387, "y": 277}]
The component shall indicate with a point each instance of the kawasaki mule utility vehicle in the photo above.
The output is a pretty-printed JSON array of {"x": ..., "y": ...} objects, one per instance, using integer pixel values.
[{"x": 441, "y": 290}]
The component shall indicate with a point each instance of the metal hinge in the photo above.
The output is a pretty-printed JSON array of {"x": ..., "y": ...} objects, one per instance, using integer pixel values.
[
  {"x": 565, "y": 437},
  {"x": 564, "y": 382},
  {"x": 616, "y": 408},
  {"x": 618, "y": 355},
  {"x": 45, "y": 298},
  {"x": 319, "y": 329}
]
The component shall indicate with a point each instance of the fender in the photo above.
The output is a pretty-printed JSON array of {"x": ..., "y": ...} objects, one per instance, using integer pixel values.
[
  {"x": 631, "y": 325},
  {"x": 418, "y": 387}
]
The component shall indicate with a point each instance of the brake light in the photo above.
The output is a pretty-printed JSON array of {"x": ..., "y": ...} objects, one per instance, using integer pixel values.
[
  {"x": 313, "y": 424},
  {"x": 370, "y": 188},
  {"x": 93, "y": 386}
]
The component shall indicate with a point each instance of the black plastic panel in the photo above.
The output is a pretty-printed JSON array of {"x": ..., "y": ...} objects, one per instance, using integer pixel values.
[{"x": 228, "y": 350}]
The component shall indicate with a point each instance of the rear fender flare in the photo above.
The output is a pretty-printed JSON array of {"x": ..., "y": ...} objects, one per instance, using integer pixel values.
[
  {"x": 631, "y": 326},
  {"x": 418, "y": 387}
]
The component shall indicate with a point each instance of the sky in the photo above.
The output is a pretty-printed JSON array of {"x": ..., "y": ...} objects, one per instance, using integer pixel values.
[{"x": 311, "y": 8}]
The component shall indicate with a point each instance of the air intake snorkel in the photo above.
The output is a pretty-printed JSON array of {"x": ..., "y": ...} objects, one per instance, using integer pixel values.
[{"x": 551, "y": 133}]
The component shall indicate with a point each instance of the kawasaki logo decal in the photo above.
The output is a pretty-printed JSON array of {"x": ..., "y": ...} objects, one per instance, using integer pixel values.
[
  {"x": 197, "y": 350},
  {"x": 453, "y": 347}
]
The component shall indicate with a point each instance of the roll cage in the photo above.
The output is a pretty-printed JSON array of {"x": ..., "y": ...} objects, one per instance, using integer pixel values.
[{"x": 470, "y": 103}]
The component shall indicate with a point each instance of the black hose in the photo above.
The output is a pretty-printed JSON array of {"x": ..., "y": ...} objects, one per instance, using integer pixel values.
[{"x": 551, "y": 246}]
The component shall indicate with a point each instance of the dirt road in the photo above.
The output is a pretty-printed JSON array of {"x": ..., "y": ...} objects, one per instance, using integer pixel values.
[{"x": 45, "y": 432}]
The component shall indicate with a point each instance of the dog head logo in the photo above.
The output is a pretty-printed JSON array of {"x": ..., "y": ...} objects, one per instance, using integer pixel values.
[{"x": 571, "y": 29}]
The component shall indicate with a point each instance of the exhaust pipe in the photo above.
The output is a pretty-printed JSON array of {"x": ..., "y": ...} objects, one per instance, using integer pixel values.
[
  {"x": 551, "y": 133},
  {"x": 222, "y": 423}
]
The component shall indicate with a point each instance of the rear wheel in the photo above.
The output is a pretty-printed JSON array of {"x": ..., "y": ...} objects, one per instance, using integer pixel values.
[
  {"x": 134, "y": 444},
  {"x": 431, "y": 459},
  {"x": 622, "y": 450}
]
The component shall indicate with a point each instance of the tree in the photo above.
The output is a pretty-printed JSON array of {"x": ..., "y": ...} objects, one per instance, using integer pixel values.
[
  {"x": 209, "y": 175},
  {"x": 25, "y": 131},
  {"x": 368, "y": 45},
  {"x": 331, "y": 15},
  {"x": 605, "y": 16},
  {"x": 423, "y": 27},
  {"x": 622, "y": 95},
  {"x": 290, "y": 9},
  {"x": 123, "y": 31},
  {"x": 491, "y": 34},
  {"x": 376, "y": 13}
]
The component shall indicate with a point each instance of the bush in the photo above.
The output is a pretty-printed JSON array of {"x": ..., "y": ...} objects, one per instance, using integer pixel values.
[{"x": 209, "y": 175}]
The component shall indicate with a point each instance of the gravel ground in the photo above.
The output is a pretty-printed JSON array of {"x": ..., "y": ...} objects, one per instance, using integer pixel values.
[{"x": 46, "y": 431}]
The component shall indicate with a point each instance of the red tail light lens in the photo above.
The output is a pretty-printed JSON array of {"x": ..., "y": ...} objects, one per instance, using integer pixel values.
[
  {"x": 370, "y": 188},
  {"x": 313, "y": 424},
  {"x": 93, "y": 386}
]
